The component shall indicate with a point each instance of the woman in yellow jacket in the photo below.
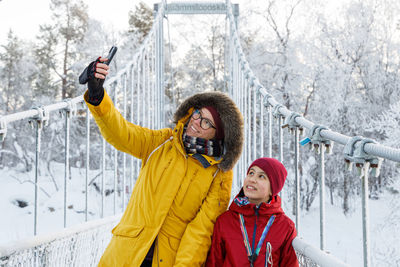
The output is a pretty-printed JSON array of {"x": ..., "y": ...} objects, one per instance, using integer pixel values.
[{"x": 185, "y": 179}]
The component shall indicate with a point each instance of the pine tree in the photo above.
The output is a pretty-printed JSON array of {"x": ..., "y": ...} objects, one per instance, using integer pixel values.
[
  {"x": 45, "y": 54},
  {"x": 15, "y": 90},
  {"x": 140, "y": 21},
  {"x": 58, "y": 45},
  {"x": 15, "y": 75}
]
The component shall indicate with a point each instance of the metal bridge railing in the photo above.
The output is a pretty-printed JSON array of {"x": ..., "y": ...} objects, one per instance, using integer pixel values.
[
  {"x": 254, "y": 100},
  {"x": 81, "y": 245}
]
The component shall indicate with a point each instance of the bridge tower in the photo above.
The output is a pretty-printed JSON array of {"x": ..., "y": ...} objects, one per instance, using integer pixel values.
[{"x": 188, "y": 8}]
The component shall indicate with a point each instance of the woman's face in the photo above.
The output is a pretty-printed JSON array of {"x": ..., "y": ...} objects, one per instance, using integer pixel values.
[
  {"x": 195, "y": 130},
  {"x": 256, "y": 186}
]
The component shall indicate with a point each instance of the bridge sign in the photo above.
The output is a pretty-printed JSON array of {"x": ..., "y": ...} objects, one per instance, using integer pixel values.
[{"x": 196, "y": 8}]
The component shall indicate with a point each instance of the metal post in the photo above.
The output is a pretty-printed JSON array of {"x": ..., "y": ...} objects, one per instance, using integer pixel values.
[
  {"x": 262, "y": 126},
  {"x": 280, "y": 140},
  {"x": 248, "y": 115},
  {"x": 231, "y": 67},
  {"x": 297, "y": 179},
  {"x": 132, "y": 86},
  {"x": 66, "y": 171},
  {"x": 322, "y": 195},
  {"x": 115, "y": 156},
  {"x": 280, "y": 137},
  {"x": 243, "y": 98},
  {"x": 365, "y": 215},
  {"x": 124, "y": 154},
  {"x": 87, "y": 160},
  {"x": 160, "y": 65},
  {"x": 227, "y": 77},
  {"x": 270, "y": 131},
  {"x": 236, "y": 15},
  {"x": 155, "y": 97},
  {"x": 37, "y": 158},
  {"x": 143, "y": 101},
  {"x": 138, "y": 103},
  {"x": 237, "y": 87},
  {"x": 148, "y": 89},
  {"x": 254, "y": 124}
]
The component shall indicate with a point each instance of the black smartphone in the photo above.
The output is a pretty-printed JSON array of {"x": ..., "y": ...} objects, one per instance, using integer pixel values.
[{"x": 111, "y": 54}]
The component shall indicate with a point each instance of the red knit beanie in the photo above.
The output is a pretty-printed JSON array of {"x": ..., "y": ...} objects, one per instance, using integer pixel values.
[
  {"x": 275, "y": 170},
  {"x": 219, "y": 132}
]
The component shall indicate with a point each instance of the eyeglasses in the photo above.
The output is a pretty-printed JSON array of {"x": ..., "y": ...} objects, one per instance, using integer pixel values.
[{"x": 205, "y": 123}]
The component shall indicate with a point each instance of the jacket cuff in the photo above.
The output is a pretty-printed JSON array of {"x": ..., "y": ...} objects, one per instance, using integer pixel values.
[
  {"x": 95, "y": 99},
  {"x": 103, "y": 107}
]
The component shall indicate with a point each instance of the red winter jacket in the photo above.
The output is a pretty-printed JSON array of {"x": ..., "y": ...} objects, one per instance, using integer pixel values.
[{"x": 228, "y": 247}]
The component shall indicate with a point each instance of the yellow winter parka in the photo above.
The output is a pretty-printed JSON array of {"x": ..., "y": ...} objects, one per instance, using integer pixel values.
[{"x": 176, "y": 199}]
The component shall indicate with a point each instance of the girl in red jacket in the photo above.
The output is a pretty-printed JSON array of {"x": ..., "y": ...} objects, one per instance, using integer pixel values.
[{"x": 255, "y": 231}]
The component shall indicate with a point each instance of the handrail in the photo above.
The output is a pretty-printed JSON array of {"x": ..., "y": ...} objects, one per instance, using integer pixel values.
[
  {"x": 28, "y": 243},
  {"x": 316, "y": 255},
  {"x": 80, "y": 245}
]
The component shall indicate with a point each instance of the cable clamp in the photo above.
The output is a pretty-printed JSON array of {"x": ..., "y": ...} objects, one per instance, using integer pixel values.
[
  {"x": 291, "y": 124},
  {"x": 315, "y": 140},
  {"x": 276, "y": 113},
  {"x": 355, "y": 154},
  {"x": 266, "y": 100},
  {"x": 42, "y": 118},
  {"x": 71, "y": 108}
]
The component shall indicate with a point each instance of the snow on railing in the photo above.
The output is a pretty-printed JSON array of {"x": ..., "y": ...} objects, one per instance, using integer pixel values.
[
  {"x": 80, "y": 245},
  {"x": 308, "y": 255}
]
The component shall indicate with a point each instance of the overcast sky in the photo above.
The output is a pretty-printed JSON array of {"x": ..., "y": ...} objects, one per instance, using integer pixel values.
[{"x": 25, "y": 16}]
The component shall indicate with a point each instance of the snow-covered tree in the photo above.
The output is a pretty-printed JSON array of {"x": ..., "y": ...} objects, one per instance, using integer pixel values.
[
  {"x": 58, "y": 44},
  {"x": 16, "y": 72},
  {"x": 329, "y": 68},
  {"x": 140, "y": 21}
]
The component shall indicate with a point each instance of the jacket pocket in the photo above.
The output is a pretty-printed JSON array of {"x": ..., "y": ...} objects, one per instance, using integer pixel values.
[{"x": 127, "y": 230}]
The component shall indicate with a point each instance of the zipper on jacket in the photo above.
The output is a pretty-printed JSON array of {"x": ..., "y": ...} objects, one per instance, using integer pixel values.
[
  {"x": 255, "y": 230},
  {"x": 220, "y": 186},
  {"x": 148, "y": 158}
]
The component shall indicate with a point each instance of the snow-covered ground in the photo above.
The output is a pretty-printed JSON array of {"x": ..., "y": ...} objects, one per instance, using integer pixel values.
[{"x": 343, "y": 240}]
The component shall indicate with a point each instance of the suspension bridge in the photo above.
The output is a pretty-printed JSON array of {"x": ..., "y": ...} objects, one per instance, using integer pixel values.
[{"x": 138, "y": 91}]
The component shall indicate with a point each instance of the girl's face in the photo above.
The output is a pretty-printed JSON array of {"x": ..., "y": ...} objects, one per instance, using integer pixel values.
[{"x": 256, "y": 186}]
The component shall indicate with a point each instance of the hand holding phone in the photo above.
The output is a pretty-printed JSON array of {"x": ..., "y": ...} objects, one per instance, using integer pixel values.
[
  {"x": 111, "y": 54},
  {"x": 89, "y": 72}
]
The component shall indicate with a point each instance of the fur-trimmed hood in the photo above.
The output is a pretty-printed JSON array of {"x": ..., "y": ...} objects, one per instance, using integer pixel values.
[{"x": 232, "y": 121}]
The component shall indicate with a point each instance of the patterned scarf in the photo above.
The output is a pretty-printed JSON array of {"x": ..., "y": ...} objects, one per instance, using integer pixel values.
[
  {"x": 199, "y": 145},
  {"x": 241, "y": 201}
]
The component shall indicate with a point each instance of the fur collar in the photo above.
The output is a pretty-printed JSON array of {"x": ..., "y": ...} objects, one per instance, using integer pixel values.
[{"x": 232, "y": 121}]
